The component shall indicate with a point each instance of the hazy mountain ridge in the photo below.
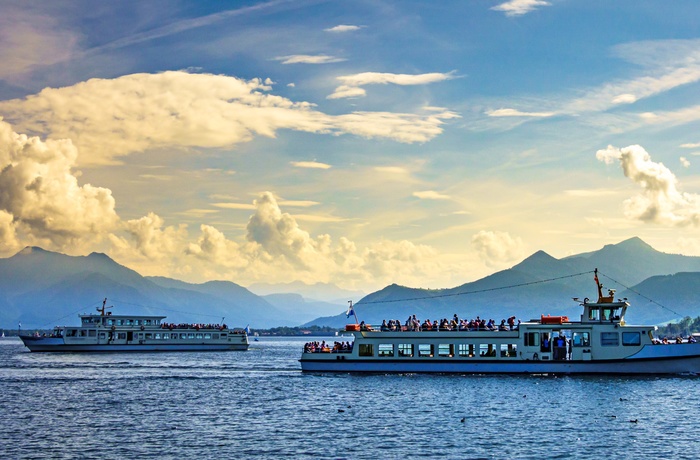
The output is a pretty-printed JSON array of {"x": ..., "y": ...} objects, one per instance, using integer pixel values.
[
  {"x": 518, "y": 291},
  {"x": 37, "y": 286}
]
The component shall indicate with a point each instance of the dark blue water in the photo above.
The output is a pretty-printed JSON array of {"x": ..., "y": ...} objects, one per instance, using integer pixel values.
[{"x": 258, "y": 404}]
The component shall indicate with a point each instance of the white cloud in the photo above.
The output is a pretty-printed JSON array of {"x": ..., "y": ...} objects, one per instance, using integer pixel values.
[
  {"x": 309, "y": 59},
  {"x": 431, "y": 195},
  {"x": 519, "y": 7},
  {"x": 343, "y": 28},
  {"x": 691, "y": 145},
  {"x": 660, "y": 201},
  {"x": 107, "y": 119},
  {"x": 518, "y": 113},
  {"x": 684, "y": 162},
  {"x": 310, "y": 164},
  {"x": 351, "y": 84},
  {"x": 497, "y": 248},
  {"x": 624, "y": 99},
  {"x": 42, "y": 194}
]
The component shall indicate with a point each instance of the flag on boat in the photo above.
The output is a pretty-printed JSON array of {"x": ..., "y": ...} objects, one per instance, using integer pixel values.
[
  {"x": 350, "y": 311},
  {"x": 247, "y": 329}
]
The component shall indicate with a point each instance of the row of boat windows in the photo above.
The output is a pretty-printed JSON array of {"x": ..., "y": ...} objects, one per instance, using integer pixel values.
[
  {"x": 445, "y": 350},
  {"x": 121, "y": 322},
  {"x": 146, "y": 335},
  {"x": 504, "y": 350}
]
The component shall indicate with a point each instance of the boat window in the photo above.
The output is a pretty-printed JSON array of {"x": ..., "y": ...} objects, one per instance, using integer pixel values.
[
  {"x": 425, "y": 350},
  {"x": 609, "y": 339},
  {"x": 157, "y": 322},
  {"x": 190, "y": 335},
  {"x": 223, "y": 336},
  {"x": 631, "y": 339},
  {"x": 215, "y": 336},
  {"x": 121, "y": 336},
  {"x": 166, "y": 336},
  {"x": 487, "y": 350},
  {"x": 137, "y": 322},
  {"x": 92, "y": 333},
  {"x": 532, "y": 339},
  {"x": 466, "y": 350},
  {"x": 509, "y": 350},
  {"x": 71, "y": 332},
  {"x": 183, "y": 336},
  {"x": 119, "y": 322},
  {"x": 102, "y": 335},
  {"x": 207, "y": 336},
  {"x": 158, "y": 335},
  {"x": 129, "y": 322},
  {"x": 593, "y": 314},
  {"x": 199, "y": 335},
  {"x": 366, "y": 349},
  {"x": 582, "y": 339},
  {"x": 149, "y": 335},
  {"x": 110, "y": 322},
  {"x": 386, "y": 349},
  {"x": 446, "y": 350},
  {"x": 83, "y": 333},
  {"x": 406, "y": 350}
]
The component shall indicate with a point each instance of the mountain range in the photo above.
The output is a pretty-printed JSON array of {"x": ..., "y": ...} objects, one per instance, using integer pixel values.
[{"x": 42, "y": 288}]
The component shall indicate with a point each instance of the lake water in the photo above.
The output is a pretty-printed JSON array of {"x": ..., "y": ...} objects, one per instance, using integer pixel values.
[{"x": 258, "y": 404}]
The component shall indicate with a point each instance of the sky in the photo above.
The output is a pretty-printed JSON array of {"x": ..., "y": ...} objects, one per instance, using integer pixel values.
[{"x": 358, "y": 143}]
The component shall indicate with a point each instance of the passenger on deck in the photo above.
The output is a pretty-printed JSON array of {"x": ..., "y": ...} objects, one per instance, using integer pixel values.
[
  {"x": 691, "y": 339},
  {"x": 502, "y": 326}
]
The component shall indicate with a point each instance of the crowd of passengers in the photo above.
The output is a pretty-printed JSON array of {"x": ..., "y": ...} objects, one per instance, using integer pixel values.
[
  {"x": 323, "y": 347},
  {"x": 172, "y": 326},
  {"x": 679, "y": 339},
  {"x": 455, "y": 324}
]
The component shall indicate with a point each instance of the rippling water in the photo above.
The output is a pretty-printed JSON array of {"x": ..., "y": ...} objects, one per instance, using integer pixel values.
[{"x": 258, "y": 404}]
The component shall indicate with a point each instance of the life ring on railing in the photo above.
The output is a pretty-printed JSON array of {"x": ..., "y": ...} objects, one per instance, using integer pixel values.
[
  {"x": 535, "y": 357},
  {"x": 142, "y": 328},
  {"x": 114, "y": 327}
]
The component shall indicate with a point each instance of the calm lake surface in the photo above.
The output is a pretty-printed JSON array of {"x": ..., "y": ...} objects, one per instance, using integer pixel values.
[{"x": 258, "y": 404}]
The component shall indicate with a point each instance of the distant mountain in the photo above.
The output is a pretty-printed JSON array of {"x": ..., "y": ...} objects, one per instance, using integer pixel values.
[
  {"x": 518, "y": 290},
  {"x": 299, "y": 310},
  {"x": 40, "y": 288},
  {"x": 324, "y": 292}
]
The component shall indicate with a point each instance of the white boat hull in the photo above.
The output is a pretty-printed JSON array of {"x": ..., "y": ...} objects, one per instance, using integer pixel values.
[{"x": 48, "y": 344}]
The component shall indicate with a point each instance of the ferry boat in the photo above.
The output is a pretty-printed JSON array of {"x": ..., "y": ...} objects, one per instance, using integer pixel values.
[
  {"x": 601, "y": 342},
  {"x": 108, "y": 332}
]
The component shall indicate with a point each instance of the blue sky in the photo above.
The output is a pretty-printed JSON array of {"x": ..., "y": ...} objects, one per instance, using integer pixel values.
[{"x": 359, "y": 143}]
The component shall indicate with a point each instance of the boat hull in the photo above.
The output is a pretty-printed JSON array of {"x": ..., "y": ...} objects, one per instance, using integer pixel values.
[
  {"x": 656, "y": 359},
  {"x": 43, "y": 344}
]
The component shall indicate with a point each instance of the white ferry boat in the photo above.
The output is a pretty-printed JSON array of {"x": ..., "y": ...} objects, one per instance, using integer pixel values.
[
  {"x": 108, "y": 332},
  {"x": 601, "y": 342}
]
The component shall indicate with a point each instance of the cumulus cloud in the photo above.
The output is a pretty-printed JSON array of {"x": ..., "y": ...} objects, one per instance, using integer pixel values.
[
  {"x": 352, "y": 84},
  {"x": 343, "y": 28},
  {"x": 660, "y": 201},
  {"x": 41, "y": 194},
  {"x": 309, "y": 59},
  {"x": 517, "y": 113},
  {"x": 693, "y": 145},
  {"x": 497, "y": 248},
  {"x": 684, "y": 162},
  {"x": 107, "y": 118},
  {"x": 519, "y": 7}
]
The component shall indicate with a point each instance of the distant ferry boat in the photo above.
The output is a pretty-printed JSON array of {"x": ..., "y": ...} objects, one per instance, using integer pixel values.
[
  {"x": 600, "y": 343},
  {"x": 108, "y": 332}
]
